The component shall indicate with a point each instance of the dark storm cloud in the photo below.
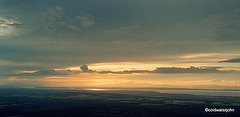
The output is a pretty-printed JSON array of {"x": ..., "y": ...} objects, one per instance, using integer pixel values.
[{"x": 232, "y": 60}]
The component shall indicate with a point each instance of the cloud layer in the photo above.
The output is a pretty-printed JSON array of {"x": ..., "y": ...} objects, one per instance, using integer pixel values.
[
  {"x": 171, "y": 70},
  {"x": 58, "y": 34},
  {"x": 158, "y": 70}
]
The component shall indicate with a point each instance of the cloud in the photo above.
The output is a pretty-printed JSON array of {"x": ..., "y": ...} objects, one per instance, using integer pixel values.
[
  {"x": 52, "y": 72},
  {"x": 121, "y": 30},
  {"x": 58, "y": 20},
  {"x": 45, "y": 72},
  {"x": 85, "y": 21},
  {"x": 8, "y": 24},
  {"x": 84, "y": 68},
  {"x": 159, "y": 70},
  {"x": 227, "y": 26},
  {"x": 72, "y": 33},
  {"x": 8, "y": 68},
  {"x": 171, "y": 70},
  {"x": 187, "y": 70},
  {"x": 124, "y": 72},
  {"x": 232, "y": 60}
]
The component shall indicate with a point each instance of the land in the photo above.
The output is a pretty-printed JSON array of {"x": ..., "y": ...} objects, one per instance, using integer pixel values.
[{"x": 40, "y": 102}]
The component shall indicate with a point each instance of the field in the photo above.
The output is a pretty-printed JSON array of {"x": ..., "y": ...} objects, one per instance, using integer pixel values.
[{"x": 21, "y": 102}]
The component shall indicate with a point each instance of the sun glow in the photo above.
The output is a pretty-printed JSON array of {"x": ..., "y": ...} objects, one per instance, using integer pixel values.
[
  {"x": 97, "y": 89},
  {"x": 99, "y": 82},
  {"x": 120, "y": 66}
]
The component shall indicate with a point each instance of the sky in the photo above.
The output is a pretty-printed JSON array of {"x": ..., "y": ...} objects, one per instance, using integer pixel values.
[{"x": 120, "y": 43}]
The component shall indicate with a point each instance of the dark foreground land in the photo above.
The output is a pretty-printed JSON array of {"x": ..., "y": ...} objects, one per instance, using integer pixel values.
[{"x": 80, "y": 103}]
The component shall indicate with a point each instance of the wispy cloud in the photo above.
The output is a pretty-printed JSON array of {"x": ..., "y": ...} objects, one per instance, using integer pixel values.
[
  {"x": 57, "y": 20},
  {"x": 121, "y": 30},
  {"x": 7, "y": 24},
  {"x": 45, "y": 72},
  {"x": 86, "y": 21}
]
